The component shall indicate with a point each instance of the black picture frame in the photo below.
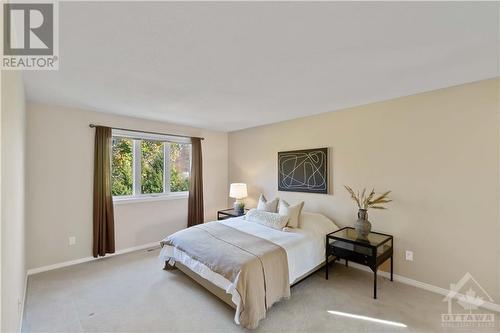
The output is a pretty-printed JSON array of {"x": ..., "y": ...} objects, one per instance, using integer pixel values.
[{"x": 303, "y": 170}]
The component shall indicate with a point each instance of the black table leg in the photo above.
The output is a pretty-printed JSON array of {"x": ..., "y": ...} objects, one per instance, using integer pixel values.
[
  {"x": 346, "y": 263},
  {"x": 375, "y": 284},
  {"x": 391, "y": 268},
  {"x": 326, "y": 265}
]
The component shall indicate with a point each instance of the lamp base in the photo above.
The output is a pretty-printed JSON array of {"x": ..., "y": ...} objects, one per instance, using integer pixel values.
[{"x": 239, "y": 207}]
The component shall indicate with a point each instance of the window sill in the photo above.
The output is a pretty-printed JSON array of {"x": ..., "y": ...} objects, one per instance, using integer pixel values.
[{"x": 150, "y": 198}]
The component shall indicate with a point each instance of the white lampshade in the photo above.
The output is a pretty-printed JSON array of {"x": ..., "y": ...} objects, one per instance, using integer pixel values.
[{"x": 238, "y": 190}]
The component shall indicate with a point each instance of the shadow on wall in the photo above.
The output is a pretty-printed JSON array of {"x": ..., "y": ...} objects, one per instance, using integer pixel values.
[{"x": 253, "y": 196}]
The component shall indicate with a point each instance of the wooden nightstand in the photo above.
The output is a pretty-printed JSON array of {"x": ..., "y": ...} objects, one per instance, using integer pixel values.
[
  {"x": 228, "y": 213},
  {"x": 372, "y": 251}
]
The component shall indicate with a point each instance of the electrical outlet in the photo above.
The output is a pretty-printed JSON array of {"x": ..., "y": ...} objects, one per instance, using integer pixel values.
[
  {"x": 409, "y": 255},
  {"x": 72, "y": 240}
]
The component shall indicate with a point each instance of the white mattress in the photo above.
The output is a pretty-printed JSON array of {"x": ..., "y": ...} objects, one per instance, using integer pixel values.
[{"x": 304, "y": 249}]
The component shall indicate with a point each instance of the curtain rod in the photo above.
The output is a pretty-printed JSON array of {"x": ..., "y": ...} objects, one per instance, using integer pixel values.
[{"x": 156, "y": 133}]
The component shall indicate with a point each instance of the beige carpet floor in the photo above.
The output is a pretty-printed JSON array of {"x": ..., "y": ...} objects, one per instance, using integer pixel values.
[{"x": 131, "y": 293}]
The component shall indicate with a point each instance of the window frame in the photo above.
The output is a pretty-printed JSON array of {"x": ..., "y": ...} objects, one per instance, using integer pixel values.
[{"x": 137, "y": 195}]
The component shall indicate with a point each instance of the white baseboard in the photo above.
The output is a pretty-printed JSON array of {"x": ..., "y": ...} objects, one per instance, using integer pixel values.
[
  {"x": 87, "y": 259},
  {"x": 422, "y": 285}
]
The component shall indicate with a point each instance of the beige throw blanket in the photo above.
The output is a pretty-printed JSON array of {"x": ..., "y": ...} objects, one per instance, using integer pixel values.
[{"x": 257, "y": 267}]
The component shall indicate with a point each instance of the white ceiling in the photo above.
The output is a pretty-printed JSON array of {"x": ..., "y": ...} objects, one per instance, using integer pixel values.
[{"x": 233, "y": 65}]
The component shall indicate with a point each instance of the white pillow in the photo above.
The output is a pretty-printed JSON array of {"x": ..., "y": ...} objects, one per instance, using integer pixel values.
[
  {"x": 316, "y": 223},
  {"x": 293, "y": 212},
  {"x": 267, "y": 206},
  {"x": 271, "y": 220}
]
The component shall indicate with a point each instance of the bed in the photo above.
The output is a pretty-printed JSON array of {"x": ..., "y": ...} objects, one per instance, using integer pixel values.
[{"x": 291, "y": 256}]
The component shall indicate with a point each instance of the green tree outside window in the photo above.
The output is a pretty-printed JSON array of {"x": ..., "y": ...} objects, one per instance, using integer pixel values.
[
  {"x": 152, "y": 166},
  {"x": 180, "y": 157},
  {"x": 122, "y": 164}
]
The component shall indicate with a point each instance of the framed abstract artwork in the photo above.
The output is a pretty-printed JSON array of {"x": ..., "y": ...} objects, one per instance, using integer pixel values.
[{"x": 303, "y": 171}]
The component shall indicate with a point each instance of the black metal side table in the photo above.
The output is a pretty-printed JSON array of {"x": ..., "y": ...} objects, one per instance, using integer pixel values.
[
  {"x": 228, "y": 213},
  {"x": 371, "y": 251}
]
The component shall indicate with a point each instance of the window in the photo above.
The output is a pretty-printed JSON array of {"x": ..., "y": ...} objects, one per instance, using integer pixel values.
[
  {"x": 180, "y": 165},
  {"x": 122, "y": 175},
  {"x": 149, "y": 165},
  {"x": 152, "y": 166}
]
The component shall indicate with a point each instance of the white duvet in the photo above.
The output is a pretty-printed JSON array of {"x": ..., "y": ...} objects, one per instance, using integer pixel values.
[{"x": 305, "y": 249}]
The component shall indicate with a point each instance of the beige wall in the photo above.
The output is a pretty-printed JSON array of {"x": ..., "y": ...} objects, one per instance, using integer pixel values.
[
  {"x": 59, "y": 185},
  {"x": 439, "y": 154},
  {"x": 13, "y": 126},
  {"x": 498, "y": 232}
]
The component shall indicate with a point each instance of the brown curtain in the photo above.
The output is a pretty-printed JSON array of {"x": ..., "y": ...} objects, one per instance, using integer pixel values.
[
  {"x": 195, "y": 204},
  {"x": 104, "y": 225}
]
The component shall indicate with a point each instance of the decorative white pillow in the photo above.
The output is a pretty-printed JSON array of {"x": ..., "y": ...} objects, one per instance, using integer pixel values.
[
  {"x": 271, "y": 220},
  {"x": 317, "y": 224},
  {"x": 267, "y": 206},
  {"x": 293, "y": 213}
]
